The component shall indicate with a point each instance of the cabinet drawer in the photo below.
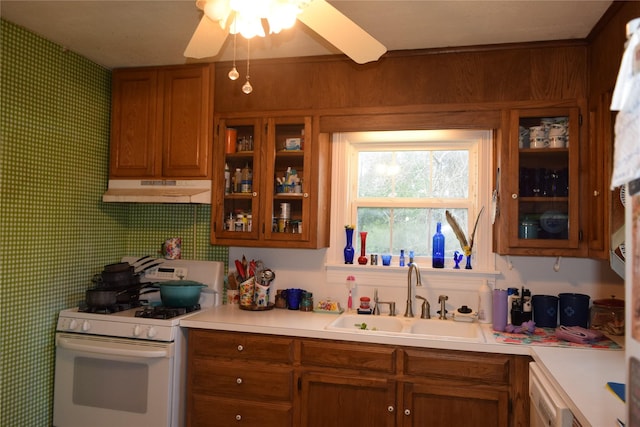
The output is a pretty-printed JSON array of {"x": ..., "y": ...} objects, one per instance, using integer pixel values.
[
  {"x": 241, "y": 380},
  {"x": 214, "y": 412},
  {"x": 236, "y": 345},
  {"x": 362, "y": 357},
  {"x": 491, "y": 368}
]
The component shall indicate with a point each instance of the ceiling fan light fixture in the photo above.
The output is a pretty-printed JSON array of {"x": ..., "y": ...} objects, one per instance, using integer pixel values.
[
  {"x": 218, "y": 11},
  {"x": 282, "y": 15}
]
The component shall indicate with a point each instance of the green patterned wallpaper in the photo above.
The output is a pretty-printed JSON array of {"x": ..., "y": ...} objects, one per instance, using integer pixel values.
[{"x": 56, "y": 232}]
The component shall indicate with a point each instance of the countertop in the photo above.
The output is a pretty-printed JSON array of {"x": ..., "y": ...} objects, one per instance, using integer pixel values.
[{"x": 579, "y": 374}]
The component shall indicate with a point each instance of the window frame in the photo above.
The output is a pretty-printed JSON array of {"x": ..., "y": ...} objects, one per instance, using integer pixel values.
[{"x": 345, "y": 149}]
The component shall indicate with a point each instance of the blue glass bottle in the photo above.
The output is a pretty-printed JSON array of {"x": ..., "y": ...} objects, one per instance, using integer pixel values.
[
  {"x": 437, "y": 257},
  {"x": 401, "y": 257}
]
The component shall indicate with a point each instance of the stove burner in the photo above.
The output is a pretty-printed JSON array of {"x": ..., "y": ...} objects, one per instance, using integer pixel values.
[
  {"x": 110, "y": 309},
  {"x": 159, "y": 312}
]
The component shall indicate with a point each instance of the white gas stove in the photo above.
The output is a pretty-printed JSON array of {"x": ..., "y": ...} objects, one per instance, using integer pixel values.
[
  {"x": 142, "y": 322},
  {"x": 122, "y": 369}
]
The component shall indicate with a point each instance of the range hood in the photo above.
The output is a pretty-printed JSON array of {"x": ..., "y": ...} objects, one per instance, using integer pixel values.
[{"x": 158, "y": 191}]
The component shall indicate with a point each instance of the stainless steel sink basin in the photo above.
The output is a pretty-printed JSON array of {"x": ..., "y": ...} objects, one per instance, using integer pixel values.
[{"x": 408, "y": 327}]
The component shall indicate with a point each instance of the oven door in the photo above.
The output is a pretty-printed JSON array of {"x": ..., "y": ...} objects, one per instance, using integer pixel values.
[{"x": 102, "y": 381}]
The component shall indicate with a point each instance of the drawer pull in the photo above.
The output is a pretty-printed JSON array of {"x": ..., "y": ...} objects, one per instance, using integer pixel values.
[
  {"x": 407, "y": 412},
  {"x": 239, "y": 380},
  {"x": 390, "y": 408},
  {"x": 238, "y": 417},
  {"x": 240, "y": 347}
]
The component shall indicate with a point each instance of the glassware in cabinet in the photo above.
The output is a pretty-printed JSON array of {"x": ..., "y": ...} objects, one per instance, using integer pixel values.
[{"x": 544, "y": 165}]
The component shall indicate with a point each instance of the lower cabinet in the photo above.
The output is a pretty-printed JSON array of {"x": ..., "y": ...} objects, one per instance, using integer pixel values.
[{"x": 325, "y": 383}]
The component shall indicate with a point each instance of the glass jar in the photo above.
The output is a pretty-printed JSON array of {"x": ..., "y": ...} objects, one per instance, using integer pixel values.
[
  {"x": 307, "y": 301},
  {"x": 607, "y": 315}
]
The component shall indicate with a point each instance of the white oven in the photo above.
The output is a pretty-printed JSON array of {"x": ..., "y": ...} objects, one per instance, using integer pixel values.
[
  {"x": 127, "y": 368},
  {"x": 548, "y": 409},
  {"x": 102, "y": 381}
]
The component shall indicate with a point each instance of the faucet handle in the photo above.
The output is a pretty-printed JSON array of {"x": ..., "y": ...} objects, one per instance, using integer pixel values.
[{"x": 426, "y": 308}]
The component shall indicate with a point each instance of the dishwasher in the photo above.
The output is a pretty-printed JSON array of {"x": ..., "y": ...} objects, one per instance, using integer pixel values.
[{"x": 548, "y": 409}]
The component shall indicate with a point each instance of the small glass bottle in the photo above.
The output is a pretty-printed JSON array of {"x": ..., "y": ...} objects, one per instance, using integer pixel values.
[
  {"x": 245, "y": 180},
  {"x": 227, "y": 179},
  {"x": 401, "y": 258},
  {"x": 237, "y": 178},
  {"x": 437, "y": 258}
]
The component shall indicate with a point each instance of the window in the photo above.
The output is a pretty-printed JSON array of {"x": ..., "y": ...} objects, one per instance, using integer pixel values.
[{"x": 396, "y": 186}]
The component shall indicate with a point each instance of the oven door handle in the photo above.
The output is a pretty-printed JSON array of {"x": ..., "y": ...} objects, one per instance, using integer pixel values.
[{"x": 114, "y": 349}]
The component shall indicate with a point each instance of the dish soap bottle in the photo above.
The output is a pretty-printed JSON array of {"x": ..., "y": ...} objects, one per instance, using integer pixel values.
[
  {"x": 485, "y": 303},
  {"x": 437, "y": 257}
]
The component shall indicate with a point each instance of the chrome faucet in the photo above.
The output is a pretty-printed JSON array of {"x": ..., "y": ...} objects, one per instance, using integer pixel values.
[
  {"x": 426, "y": 308},
  {"x": 443, "y": 311},
  {"x": 413, "y": 266}
]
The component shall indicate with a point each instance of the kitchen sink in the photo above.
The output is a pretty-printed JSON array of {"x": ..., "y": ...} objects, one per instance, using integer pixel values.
[
  {"x": 408, "y": 327},
  {"x": 369, "y": 323},
  {"x": 447, "y": 329}
]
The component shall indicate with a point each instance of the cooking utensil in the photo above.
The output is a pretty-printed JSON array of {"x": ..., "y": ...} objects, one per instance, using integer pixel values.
[
  {"x": 240, "y": 270},
  {"x": 266, "y": 277},
  {"x": 180, "y": 293},
  {"x": 118, "y": 267},
  {"x": 252, "y": 268}
]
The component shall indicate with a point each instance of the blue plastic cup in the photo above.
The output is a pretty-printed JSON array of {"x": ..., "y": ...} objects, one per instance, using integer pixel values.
[
  {"x": 293, "y": 296},
  {"x": 386, "y": 259},
  {"x": 574, "y": 309},
  {"x": 545, "y": 310}
]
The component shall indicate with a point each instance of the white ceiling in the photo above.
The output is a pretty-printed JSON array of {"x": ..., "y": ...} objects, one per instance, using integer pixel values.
[{"x": 118, "y": 33}]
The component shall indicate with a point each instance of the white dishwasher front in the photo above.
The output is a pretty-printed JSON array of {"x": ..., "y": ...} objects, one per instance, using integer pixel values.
[{"x": 547, "y": 406}]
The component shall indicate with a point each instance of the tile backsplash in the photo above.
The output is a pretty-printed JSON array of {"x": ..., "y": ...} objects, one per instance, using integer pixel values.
[{"x": 56, "y": 231}]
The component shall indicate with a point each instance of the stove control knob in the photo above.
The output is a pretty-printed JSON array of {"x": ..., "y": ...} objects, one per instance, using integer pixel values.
[
  {"x": 72, "y": 324},
  {"x": 151, "y": 332},
  {"x": 86, "y": 326},
  {"x": 137, "y": 330}
]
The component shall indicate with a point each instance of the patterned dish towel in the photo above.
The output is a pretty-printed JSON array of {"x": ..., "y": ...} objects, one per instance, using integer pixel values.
[{"x": 547, "y": 337}]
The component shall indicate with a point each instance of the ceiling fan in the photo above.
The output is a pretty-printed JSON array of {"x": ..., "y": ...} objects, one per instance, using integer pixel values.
[{"x": 222, "y": 17}]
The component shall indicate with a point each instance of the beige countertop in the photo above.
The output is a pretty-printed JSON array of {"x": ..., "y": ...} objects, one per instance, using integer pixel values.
[{"x": 579, "y": 374}]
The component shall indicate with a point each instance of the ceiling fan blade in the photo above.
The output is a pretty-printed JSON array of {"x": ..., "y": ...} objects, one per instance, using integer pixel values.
[
  {"x": 341, "y": 32},
  {"x": 206, "y": 40}
]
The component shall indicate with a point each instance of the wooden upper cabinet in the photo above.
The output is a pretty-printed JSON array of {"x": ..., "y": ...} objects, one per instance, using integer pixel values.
[
  {"x": 134, "y": 148},
  {"x": 540, "y": 186},
  {"x": 285, "y": 212},
  {"x": 162, "y": 122}
]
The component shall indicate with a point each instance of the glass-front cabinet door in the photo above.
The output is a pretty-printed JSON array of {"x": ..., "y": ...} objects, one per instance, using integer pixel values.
[
  {"x": 237, "y": 180},
  {"x": 287, "y": 167},
  {"x": 270, "y": 181},
  {"x": 543, "y": 180}
]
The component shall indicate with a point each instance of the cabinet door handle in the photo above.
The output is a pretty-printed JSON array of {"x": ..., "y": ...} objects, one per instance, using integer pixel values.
[
  {"x": 239, "y": 380},
  {"x": 238, "y": 417},
  {"x": 390, "y": 408},
  {"x": 305, "y": 195},
  {"x": 596, "y": 193},
  {"x": 407, "y": 412},
  {"x": 240, "y": 347},
  {"x": 255, "y": 194},
  {"x": 514, "y": 196}
]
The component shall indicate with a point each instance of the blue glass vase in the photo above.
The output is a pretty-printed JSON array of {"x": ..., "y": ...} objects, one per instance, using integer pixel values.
[
  {"x": 468, "y": 266},
  {"x": 349, "y": 252}
]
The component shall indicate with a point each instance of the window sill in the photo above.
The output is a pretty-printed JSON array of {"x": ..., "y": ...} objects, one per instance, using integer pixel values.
[{"x": 378, "y": 275}]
